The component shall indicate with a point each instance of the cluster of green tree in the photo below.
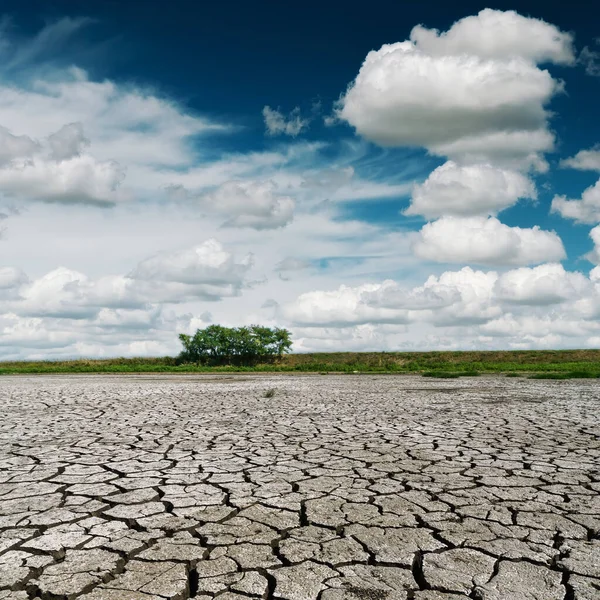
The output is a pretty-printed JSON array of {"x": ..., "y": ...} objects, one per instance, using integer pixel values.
[{"x": 218, "y": 345}]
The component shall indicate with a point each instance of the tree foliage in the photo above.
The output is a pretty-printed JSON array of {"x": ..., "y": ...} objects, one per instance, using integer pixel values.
[{"x": 218, "y": 345}]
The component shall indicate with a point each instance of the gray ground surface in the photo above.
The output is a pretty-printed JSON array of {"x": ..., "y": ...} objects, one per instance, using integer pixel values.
[{"x": 337, "y": 488}]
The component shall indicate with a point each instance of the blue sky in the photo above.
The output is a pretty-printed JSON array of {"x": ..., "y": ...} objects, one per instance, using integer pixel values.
[{"x": 237, "y": 163}]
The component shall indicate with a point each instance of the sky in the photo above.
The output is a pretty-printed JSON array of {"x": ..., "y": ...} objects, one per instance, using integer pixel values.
[{"x": 424, "y": 176}]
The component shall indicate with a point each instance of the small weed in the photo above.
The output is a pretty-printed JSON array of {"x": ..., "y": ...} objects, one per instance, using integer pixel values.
[
  {"x": 513, "y": 375},
  {"x": 269, "y": 393}
]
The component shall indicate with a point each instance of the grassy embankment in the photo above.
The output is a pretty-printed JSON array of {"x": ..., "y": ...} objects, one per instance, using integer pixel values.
[{"x": 546, "y": 364}]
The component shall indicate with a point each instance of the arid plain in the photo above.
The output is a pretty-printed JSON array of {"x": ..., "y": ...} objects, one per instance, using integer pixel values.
[{"x": 331, "y": 487}]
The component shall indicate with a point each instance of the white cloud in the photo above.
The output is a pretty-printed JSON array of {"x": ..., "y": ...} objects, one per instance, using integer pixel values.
[
  {"x": 77, "y": 180},
  {"x": 136, "y": 349},
  {"x": 473, "y": 291},
  {"x": 516, "y": 150},
  {"x": 486, "y": 241},
  {"x": 594, "y": 255},
  {"x": 452, "y": 189},
  {"x": 542, "y": 285},
  {"x": 453, "y": 92},
  {"x": 475, "y": 309},
  {"x": 547, "y": 330},
  {"x": 205, "y": 272},
  {"x": 585, "y": 210},
  {"x": 252, "y": 204},
  {"x": 499, "y": 34},
  {"x": 344, "y": 306},
  {"x": 584, "y": 160},
  {"x": 208, "y": 263},
  {"x": 277, "y": 123},
  {"x": 124, "y": 123}
]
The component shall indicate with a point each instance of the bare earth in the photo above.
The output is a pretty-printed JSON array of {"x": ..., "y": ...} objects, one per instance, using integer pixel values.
[{"x": 337, "y": 488}]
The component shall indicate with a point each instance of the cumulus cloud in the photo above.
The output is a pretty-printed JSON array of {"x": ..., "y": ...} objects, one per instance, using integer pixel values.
[
  {"x": 497, "y": 34},
  {"x": 208, "y": 263},
  {"x": 205, "y": 272},
  {"x": 584, "y": 160},
  {"x": 539, "y": 286},
  {"x": 467, "y": 308},
  {"x": 473, "y": 293},
  {"x": 469, "y": 190},
  {"x": 253, "y": 204},
  {"x": 453, "y": 298},
  {"x": 277, "y": 123},
  {"x": 77, "y": 180},
  {"x": 344, "y": 306},
  {"x": 585, "y": 210},
  {"x": 594, "y": 255},
  {"x": 454, "y": 92},
  {"x": 486, "y": 241}
]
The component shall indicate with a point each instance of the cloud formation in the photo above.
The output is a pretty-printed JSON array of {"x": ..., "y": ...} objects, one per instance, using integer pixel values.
[
  {"x": 486, "y": 241},
  {"x": 315, "y": 227},
  {"x": 253, "y": 204},
  {"x": 540, "y": 306},
  {"x": 276, "y": 123},
  {"x": 584, "y": 210},
  {"x": 474, "y": 92},
  {"x": 468, "y": 190}
]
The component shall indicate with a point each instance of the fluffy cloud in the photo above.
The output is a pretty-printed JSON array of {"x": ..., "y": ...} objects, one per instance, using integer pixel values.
[
  {"x": 207, "y": 264},
  {"x": 341, "y": 307},
  {"x": 497, "y": 34},
  {"x": 71, "y": 140},
  {"x": 584, "y": 160},
  {"x": 78, "y": 180},
  {"x": 277, "y": 123},
  {"x": 205, "y": 272},
  {"x": 452, "y": 189},
  {"x": 585, "y": 210},
  {"x": 542, "y": 285},
  {"x": 467, "y": 309},
  {"x": 250, "y": 204},
  {"x": 486, "y": 241},
  {"x": 594, "y": 255},
  {"x": 547, "y": 330},
  {"x": 473, "y": 298},
  {"x": 454, "y": 92}
]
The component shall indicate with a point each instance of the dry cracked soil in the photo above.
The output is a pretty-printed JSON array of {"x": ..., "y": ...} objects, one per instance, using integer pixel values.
[{"x": 336, "y": 488}]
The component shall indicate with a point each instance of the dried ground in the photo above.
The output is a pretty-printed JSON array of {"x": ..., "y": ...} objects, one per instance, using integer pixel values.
[{"x": 336, "y": 488}]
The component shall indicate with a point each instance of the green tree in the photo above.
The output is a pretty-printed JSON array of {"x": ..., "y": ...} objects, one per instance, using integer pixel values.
[{"x": 216, "y": 345}]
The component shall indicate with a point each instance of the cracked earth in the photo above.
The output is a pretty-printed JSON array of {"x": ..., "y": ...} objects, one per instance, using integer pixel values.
[{"x": 336, "y": 488}]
